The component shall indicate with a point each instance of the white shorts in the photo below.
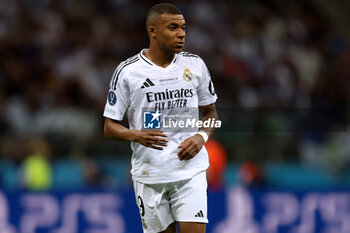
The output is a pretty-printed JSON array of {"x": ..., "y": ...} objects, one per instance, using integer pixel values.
[{"x": 180, "y": 201}]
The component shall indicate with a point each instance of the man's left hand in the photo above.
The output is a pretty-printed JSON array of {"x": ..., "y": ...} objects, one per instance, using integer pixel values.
[{"x": 190, "y": 147}]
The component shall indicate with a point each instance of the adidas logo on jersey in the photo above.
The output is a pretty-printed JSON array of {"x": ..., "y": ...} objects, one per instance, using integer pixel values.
[
  {"x": 199, "y": 214},
  {"x": 147, "y": 83}
]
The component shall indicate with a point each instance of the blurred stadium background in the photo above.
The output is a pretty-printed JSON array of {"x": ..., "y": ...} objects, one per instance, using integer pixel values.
[{"x": 58, "y": 173}]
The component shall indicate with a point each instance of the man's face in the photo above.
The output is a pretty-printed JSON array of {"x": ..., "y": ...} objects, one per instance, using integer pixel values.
[{"x": 170, "y": 33}]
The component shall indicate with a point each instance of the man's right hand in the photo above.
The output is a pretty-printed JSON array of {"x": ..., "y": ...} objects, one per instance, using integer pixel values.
[{"x": 153, "y": 138}]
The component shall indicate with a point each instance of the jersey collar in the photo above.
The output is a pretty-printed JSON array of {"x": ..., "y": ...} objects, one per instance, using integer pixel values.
[{"x": 149, "y": 62}]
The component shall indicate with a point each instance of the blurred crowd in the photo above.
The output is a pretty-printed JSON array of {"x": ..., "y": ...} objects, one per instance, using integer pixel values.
[{"x": 57, "y": 58}]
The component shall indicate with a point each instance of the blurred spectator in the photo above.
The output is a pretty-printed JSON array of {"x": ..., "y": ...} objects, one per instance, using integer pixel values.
[
  {"x": 218, "y": 163},
  {"x": 92, "y": 174},
  {"x": 36, "y": 168},
  {"x": 251, "y": 175}
]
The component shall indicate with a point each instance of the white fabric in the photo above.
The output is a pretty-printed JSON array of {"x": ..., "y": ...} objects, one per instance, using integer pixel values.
[
  {"x": 131, "y": 93},
  {"x": 204, "y": 135},
  {"x": 180, "y": 201}
]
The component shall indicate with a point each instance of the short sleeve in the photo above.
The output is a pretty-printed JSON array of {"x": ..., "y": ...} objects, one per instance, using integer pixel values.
[
  {"x": 118, "y": 96},
  {"x": 205, "y": 90}
]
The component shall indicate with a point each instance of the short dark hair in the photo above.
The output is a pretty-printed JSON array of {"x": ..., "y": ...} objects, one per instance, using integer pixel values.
[{"x": 159, "y": 9}]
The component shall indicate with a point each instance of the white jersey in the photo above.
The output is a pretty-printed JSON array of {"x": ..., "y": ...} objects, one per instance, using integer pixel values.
[{"x": 138, "y": 85}]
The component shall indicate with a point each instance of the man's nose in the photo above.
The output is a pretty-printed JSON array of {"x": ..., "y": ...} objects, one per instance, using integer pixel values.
[{"x": 181, "y": 34}]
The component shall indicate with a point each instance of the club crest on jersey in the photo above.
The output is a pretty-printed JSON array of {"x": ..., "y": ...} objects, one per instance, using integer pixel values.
[
  {"x": 112, "y": 98},
  {"x": 187, "y": 75},
  {"x": 151, "y": 119}
]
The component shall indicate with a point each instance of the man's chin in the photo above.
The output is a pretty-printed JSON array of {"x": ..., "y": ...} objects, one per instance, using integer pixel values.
[{"x": 177, "y": 49}]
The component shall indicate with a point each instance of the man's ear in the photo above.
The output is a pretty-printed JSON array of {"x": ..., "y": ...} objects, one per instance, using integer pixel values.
[{"x": 152, "y": 31}]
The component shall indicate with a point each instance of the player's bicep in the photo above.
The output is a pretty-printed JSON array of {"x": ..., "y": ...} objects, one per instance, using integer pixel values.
[
  {"x": 108, "y": 125},
  {"x": 208, "y": 110}
]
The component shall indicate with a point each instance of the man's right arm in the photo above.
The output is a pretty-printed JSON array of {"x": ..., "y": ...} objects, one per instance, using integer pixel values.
[{"x": 155, "y": 139}]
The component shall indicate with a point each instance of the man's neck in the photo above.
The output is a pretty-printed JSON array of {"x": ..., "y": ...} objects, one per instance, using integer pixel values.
[{"x": 159, "y": 57}]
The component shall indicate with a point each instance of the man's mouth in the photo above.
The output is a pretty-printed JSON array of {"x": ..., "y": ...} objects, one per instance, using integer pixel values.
[{"x": 180, "y": 44}]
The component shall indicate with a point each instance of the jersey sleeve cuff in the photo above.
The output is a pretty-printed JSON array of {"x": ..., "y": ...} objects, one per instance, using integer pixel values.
[{"x": 112, "y": 116}]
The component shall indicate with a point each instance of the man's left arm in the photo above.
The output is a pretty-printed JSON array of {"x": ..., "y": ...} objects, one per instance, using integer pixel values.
[{"x": 192, "y": 145}]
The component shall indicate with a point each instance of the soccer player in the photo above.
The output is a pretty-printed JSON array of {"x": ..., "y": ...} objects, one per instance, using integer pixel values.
[{"x": 168, "y": 167}]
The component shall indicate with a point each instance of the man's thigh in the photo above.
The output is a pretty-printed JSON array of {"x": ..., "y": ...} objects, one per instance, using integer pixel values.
[
  {"x": 171, "y": 228},
  {"x": 192, "y": 227},
  {"x": 186, "y": 227}
]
